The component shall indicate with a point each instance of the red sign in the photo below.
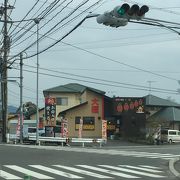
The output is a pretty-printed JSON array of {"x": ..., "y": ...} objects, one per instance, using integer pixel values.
[
  {"x": 94, "y": 105},
  {"x": 128, "y": 104},
  {"x": 104, "y": 129}
]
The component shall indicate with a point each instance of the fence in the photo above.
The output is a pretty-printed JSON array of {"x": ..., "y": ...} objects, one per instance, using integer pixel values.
[{"x": 63, "y": 141}]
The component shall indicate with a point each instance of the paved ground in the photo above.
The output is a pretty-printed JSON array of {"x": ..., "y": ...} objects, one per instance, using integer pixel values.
[{"x": 177, "y": 166}]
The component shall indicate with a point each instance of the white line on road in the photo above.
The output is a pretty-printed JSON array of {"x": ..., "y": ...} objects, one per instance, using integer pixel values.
[
  {"x": 132, "y": 171},
  {"x": 83, "y": 172},
  {"x": 6, "y": 175},
  {"x": 28, "y": 172},
  {"x": 142, "y": 168},
  {"x": 57, "y": 172},
  {"x": 115, "y": 173}
]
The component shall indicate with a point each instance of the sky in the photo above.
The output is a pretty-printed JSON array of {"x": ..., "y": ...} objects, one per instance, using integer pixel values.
[{"x": 129, "y": 61}]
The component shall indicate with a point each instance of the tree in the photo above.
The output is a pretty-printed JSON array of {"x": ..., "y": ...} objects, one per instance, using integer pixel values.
[{"x": 28, "y": 109}]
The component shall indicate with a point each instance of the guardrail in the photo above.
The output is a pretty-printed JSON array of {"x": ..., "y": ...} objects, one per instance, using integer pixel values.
[
  {"x": 48, "y": 139},
  {"x": 88, "y": 140},
  {"x": 68, "y": 140}
]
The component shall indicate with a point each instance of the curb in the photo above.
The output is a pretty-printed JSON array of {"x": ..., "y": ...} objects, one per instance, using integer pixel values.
[{"x": 171, "y": 166}]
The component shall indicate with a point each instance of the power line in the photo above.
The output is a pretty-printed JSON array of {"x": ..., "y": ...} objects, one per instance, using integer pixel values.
[
  {"x": 103, "y": 82},
  {"x": 43, "y": 36}
]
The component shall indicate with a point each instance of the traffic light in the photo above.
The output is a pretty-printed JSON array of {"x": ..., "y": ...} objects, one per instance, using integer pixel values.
[
  {"x": 109, "y": 19},
  {"x": 133, "y": 12}
]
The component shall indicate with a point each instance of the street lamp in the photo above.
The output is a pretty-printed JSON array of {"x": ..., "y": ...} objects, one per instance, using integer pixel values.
[{"x": 37, "y": 20}]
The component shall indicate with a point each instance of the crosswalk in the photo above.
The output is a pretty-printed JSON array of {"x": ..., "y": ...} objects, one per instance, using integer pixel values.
[
  {"x": 140, "y": 154},
  {"x": 150, "y": 155},
  {"x": 84, "y": 171}
]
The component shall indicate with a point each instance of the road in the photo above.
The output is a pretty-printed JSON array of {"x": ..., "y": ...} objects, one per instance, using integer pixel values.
[{"x": 108, "y": 162}]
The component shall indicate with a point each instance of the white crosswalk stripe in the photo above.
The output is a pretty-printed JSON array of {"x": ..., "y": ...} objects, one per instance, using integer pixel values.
[
  {"x": 97, "y": 172},
  {"x": 57, "y": 172},
  {"x": 83, "y": 172},
  {"x": 29, "y": 172},
  {"x": 132, "y": 171},
  {"x": 7, "y": 175},
  {"x": 108, "y": 171}
]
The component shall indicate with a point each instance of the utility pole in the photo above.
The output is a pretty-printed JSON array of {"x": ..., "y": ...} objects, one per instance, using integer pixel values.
[
  {"x": 5, "y": 51},
  {"x": 37, "y": 21},
  {"x": 150, "y": 82},
  {"x": 21, "y": 95},
  {"x": 4, "y": 74}
]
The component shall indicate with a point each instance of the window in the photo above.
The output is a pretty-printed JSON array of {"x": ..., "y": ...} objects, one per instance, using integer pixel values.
[
  {"x": 63, "y": 101},
  {"x": 88, "y": 123},
  {"x": 77, "y": 122},
  {"x": 172, "y": 132}
]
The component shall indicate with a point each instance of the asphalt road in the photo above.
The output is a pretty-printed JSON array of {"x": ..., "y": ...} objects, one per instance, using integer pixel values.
[{"x": 108, "y": 162}]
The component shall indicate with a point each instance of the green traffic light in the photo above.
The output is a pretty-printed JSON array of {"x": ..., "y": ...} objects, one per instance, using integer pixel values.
[{"x": 123, "y": 9}]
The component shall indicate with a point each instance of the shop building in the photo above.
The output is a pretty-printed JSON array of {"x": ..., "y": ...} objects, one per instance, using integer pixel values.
[{"x": 126, "y": 116}]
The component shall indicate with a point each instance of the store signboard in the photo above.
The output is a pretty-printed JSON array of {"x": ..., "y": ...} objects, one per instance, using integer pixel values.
[
  {"x": 50, "y": 111},
  {"x": 123, "y": 105},
  {"x": 104, "y": 129}
]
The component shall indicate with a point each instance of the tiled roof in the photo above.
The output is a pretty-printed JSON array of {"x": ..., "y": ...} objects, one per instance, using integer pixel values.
[
  {"x": 72, "y": 88},
  {"x": 151, "y": 100},
  {"x": 169, "y": 114}
]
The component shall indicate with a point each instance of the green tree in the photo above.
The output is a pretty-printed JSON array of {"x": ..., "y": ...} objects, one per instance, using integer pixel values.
[{"x": 29, "y": 108}]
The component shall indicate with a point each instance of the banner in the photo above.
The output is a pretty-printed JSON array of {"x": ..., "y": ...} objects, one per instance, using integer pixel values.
[
  {"x": 80, "y": 128},
  {"x": 18, "y": 127},
  {"x": 64, "y": 128},
  {"x": 104, "y": 129}
]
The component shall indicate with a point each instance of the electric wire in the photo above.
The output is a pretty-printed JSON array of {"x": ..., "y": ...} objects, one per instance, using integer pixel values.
[
  {"x": 97, "y": 79},
  {"x": 33, "y": 23},
  {"x": 102, "y": 83},
  {"x": 42, "y": 15},
  {"x": 43, "y": 24},
  {"x": 34, "y": 43},
  {"x": 24, "y": 18}
]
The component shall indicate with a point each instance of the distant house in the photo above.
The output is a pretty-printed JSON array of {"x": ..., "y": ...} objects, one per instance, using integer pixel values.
[{"x": 162, "y": 112}]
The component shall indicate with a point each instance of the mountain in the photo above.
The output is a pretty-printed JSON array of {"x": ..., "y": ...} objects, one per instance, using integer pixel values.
[{"x": 12, "y": 109}]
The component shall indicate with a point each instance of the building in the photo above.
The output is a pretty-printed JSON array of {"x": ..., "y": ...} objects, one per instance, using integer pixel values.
[
  {"x": 126, "y": 116},
  {"x": 75, "y": 102}
]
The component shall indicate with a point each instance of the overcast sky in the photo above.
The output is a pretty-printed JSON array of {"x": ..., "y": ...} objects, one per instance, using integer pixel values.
[{"x": 122, "y": 61}]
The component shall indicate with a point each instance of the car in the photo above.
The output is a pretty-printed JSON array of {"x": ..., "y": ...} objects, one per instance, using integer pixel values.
[{"x": 170, "y": 135}]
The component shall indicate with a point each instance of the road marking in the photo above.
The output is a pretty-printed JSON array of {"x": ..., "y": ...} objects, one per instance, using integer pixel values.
[
  {"x": 28, "y": 172},
  {"x": 57, "y": 172},
  {"x": 83, "y": 172},
  {"x": 105, "y": 151},
  {"x": 142, "y": 168},
  {"x": 132, "y": 171},
  {"x": 6, "y": 175},
  {"x": 151, "y": 167},
  {"x": 125, "y": 171},
  {"x": 115, "y": 173}
]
